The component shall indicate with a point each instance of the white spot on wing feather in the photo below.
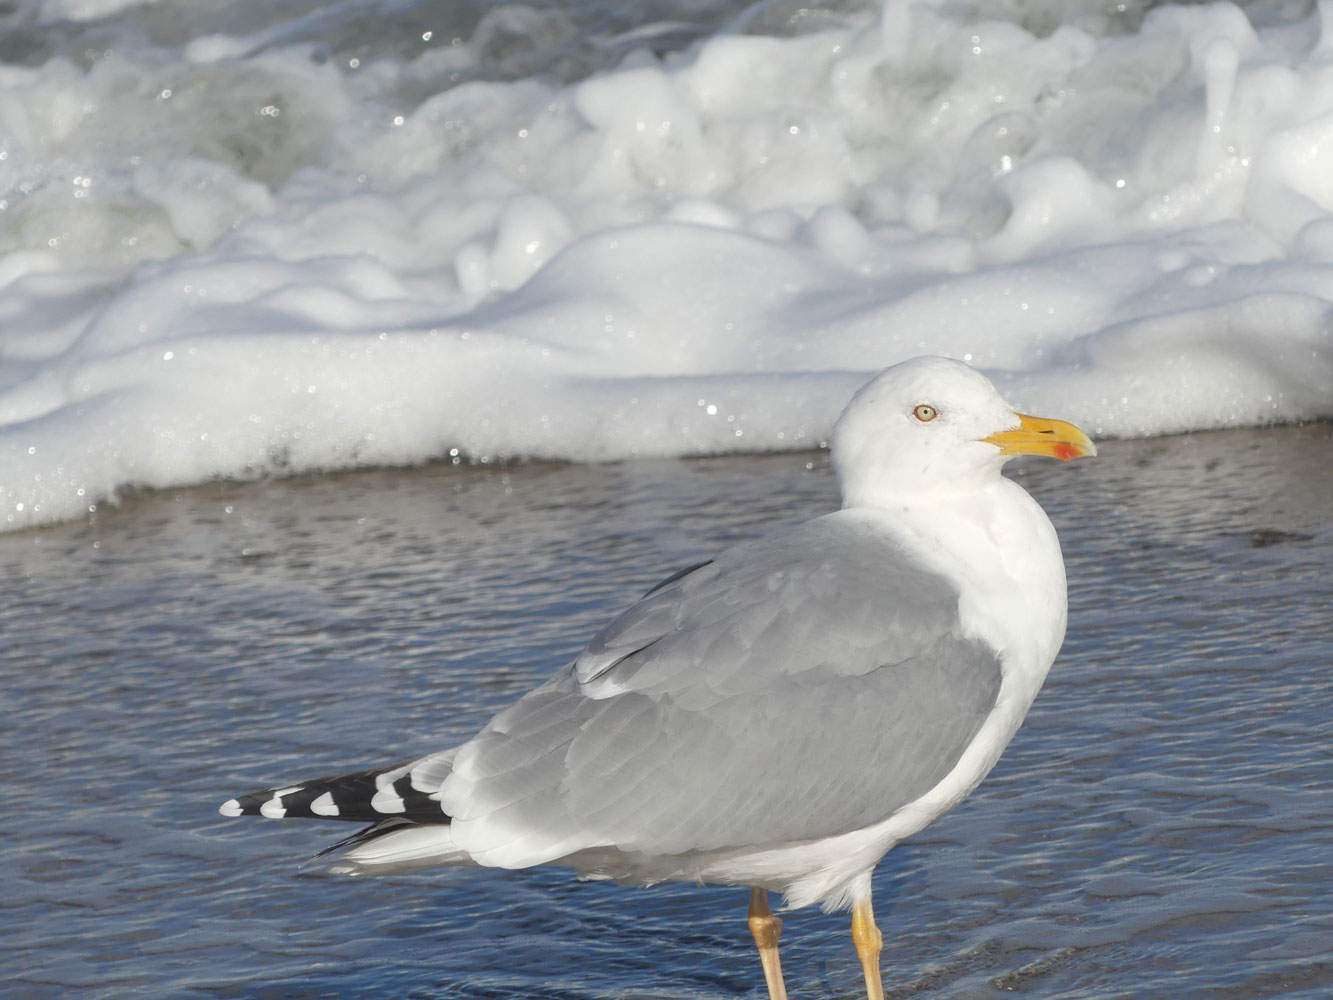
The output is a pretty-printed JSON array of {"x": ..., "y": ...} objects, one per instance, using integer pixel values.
[{"x": 387, "y": 802}]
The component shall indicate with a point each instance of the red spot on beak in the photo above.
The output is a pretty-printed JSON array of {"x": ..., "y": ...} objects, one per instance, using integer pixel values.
[{"x": 1065, "y": 452}]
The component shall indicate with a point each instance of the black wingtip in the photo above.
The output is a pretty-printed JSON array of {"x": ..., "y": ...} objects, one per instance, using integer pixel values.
[{"x": 351, "y": 796}]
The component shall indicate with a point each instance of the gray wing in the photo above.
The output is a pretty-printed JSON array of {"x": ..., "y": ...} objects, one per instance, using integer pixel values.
[{"x": 794, "y": 688}]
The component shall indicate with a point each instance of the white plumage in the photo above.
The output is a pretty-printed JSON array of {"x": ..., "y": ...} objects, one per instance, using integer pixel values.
[{"x": 782, "y": 715}]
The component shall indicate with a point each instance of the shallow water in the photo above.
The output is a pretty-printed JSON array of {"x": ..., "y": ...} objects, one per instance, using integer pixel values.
[{"x": 1161, "y": 827}]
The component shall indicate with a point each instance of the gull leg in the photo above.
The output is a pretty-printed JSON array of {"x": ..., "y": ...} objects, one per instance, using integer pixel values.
[
  {"x": 868, "y": 941},
  {"x": 766, "y": 929}
]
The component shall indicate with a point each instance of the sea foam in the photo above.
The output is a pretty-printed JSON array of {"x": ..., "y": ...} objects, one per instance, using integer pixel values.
[{"x": 247, "y": 246}]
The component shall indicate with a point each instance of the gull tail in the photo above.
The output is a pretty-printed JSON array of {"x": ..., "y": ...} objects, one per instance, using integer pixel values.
[{"x": 394, "y": 846}]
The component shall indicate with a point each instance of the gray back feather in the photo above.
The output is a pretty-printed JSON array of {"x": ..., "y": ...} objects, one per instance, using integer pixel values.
[{"x": 797, "y": 687}]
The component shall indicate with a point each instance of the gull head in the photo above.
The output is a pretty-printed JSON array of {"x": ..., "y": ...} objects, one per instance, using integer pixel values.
[{"x": 933, "y": 426}]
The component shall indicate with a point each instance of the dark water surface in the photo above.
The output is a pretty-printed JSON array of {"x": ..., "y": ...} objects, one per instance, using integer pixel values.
[{"x": 1161, "y": 827}]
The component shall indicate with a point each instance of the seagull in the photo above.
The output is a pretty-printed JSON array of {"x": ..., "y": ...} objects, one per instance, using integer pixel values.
[{"x": 782, "y": 715}]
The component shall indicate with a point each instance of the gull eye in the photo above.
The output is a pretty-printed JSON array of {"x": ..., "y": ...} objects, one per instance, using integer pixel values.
[{"x": 925, "y": 413}]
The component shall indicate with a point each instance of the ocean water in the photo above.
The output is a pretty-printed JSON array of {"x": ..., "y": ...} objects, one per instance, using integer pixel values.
[
  {"x": 359, "y": 359},
  {"x": 1161, "y": 826},
  {"x": 274, "y": 237}
]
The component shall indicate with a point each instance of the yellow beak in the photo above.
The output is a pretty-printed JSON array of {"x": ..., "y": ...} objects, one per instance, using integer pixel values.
[{"x": 1040, "y": 436}]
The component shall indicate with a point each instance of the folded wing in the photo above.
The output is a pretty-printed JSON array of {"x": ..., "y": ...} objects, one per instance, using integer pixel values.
[{"x": 792, "y": 689}]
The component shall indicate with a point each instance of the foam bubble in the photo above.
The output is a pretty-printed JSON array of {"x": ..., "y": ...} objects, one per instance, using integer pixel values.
[{"x": 273, "y": 245}]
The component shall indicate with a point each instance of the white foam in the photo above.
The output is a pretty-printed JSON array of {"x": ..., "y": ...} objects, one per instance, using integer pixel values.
[{"x": 249, "y": 254}]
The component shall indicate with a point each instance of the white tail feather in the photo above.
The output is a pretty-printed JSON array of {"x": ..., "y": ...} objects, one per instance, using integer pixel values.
[{"x": 403, "y": 850}]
